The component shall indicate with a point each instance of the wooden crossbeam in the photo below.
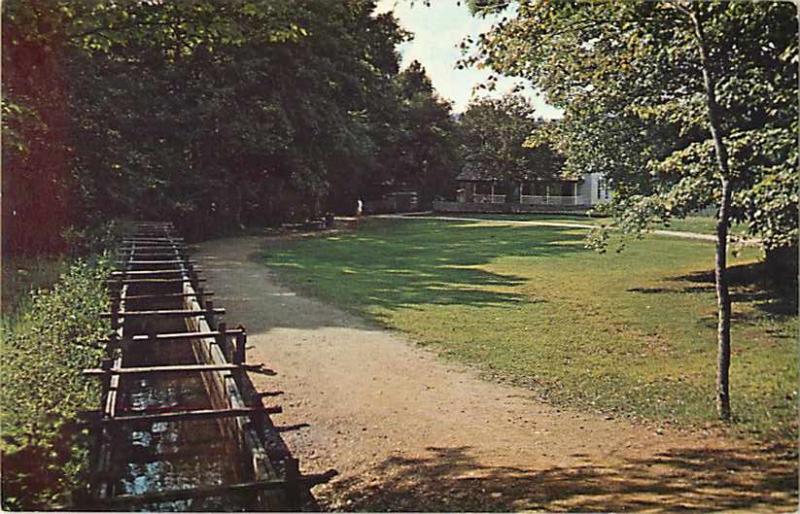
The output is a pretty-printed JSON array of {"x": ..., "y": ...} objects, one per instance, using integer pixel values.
[
  {"x": 157, "y": 262},
  {"x": 148, "y": 246},
  {"x": 160, "y": 254},
  {"x": 182, "y": 368},
  {"x": 172, "y": 495},
  {"x": 180, "y": 336},
  {"x": 164, "y": 238},
  {"x": 137, "y": 240},
  {"x": 178, "y": 313},
  {"x": 141, "y": 248},
  {"x": 163, "y": 242},
  {"x": 189, "y": 335},
  {"x": 151, "y": 272},
  {"x": 140, "y": 243},
  {"x": 125, "y": 249},
  {"x": 198, "y": 294},
  {"x": 155, "y": 280},
  {"x": 168, "y": 239},
  {"x": 152, "y": 241},
  {"x": 193, "y": 415}
]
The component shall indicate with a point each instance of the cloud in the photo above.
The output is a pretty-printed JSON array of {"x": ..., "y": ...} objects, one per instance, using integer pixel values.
[{"x": 438, "y": 30}]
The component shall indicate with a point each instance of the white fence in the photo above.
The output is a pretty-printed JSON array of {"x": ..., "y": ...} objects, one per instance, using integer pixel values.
[
  {"x": 478, "y": 198},
  {"x": 553, "y": 200}
]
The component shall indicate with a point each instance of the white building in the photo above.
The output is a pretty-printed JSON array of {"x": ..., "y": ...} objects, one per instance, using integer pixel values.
[{"x": 481, "y": 188}]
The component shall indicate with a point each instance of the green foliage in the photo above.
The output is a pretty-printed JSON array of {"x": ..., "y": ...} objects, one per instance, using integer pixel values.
[
  {"x": 422, "y": 153},
  {"x": 93, "y": 239},
  {"x": 21, "y": 276},
  {"x": 253, "y": 111},
  {"x": 629, "y": 78},
  {"x": 15, "y": 116},
  {"x": 495, "y": 134},
  {"x": 43, "y": 353}
]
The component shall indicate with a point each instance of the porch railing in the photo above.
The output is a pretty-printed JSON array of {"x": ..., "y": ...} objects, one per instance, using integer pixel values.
[
  {"x": 553, "y": 200},
  {"x": 480, "y": 198}
]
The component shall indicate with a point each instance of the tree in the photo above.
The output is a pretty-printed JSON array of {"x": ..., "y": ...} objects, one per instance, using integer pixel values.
[
  {"x": 495, "y": 133},
  {"x": 424, "y": 153},
  {"x": 694, "y": 103},
  {"x": 253, "y": 111}
]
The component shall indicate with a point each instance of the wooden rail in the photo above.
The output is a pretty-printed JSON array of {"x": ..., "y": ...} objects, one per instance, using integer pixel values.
[
  {"x": 154, "y": 370},
  {"x": 213, "y": 490},
  {"x": 193, "y": 415},
  {"x": 180, "y": 313},
  {"x": 152, "y": 263}
]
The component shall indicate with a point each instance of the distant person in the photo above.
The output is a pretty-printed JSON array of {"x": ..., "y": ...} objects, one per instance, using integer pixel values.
[{"x": 359, "y": 212}]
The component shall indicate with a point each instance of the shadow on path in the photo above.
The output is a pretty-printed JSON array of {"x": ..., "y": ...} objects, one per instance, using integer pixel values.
[{"x": 449, "y": 479}]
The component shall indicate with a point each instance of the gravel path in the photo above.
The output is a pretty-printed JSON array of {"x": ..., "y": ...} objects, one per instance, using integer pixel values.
[{"x": 408, "y": 431}]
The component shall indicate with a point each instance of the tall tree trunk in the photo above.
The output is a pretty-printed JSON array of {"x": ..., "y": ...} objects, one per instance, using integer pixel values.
[
  {"x": 723, "y": 304},
  {"x": 723, "y": 220}
]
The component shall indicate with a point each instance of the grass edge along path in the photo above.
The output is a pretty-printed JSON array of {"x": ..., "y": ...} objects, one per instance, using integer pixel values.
[{"x": 633, "y": 337}]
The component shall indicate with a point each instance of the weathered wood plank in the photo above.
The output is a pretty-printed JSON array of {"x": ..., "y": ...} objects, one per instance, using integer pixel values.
[
  {"x": 155, "y": 280},
  {"x": 167, "y": 295},
  {"x": 179, "y": 313},
  {"x": 192, "y": 415},
  {"x": 157, "y": 262},
  {"x": 182, "y": 368},
  {"x": 177, "y": 336},
  {"x": 212, "y": 490},
  {"x": 155, "y": 272}
]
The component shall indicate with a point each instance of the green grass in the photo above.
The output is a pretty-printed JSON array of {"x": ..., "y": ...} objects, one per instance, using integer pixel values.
[
  {"x": 632, "y": 333},
  {"x": 698, "y": 224}
]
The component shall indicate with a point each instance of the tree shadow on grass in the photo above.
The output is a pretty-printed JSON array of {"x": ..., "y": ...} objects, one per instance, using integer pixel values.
[
  {"x": 450, "y": 479},
  {"x": 749, "y": 284},
  {"x": 422, "y": 263}
]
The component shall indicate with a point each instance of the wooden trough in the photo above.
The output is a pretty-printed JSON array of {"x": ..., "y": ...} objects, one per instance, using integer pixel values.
[{"x": 175, "y": 374}]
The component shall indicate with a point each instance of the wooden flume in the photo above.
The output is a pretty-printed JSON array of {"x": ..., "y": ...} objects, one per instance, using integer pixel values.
[{"x": 152, "y": 257}]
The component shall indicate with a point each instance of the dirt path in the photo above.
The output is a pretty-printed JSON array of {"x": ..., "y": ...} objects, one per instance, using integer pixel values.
[{"x": 407, "y": 431}]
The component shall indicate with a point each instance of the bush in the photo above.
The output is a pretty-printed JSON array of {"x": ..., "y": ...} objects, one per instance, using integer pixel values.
[
  {"x": 21, "y": 275},
  {"x": 43, "y": 353},
  {"x": 92, "y": 239}
]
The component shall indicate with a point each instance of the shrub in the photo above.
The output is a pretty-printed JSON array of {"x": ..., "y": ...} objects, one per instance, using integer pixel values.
[
  {"x": 43, "y": 353},
  {"x": 94, "y": 238},
  {"x": 21, "y": 275}
]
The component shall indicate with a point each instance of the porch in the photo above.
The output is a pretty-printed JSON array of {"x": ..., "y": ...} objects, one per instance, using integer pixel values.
[
  {"x": 566, "y": 193},
  {"x": 553, "y": 200}
]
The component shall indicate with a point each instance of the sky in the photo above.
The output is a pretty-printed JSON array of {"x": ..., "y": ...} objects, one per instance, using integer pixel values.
[{"x": 438, "y": 30}]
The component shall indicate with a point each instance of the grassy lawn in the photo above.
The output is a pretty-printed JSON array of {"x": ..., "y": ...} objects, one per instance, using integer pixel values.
[
  {"x": 632, "y": 333},
  {"x": 698, "y": 224}
]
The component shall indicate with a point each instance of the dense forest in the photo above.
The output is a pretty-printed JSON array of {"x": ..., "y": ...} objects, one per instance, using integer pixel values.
[{"x": 213, "y": 114}]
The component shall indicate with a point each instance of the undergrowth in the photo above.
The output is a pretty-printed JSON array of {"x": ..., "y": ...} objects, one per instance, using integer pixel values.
[{"x": 44, "y": 348}]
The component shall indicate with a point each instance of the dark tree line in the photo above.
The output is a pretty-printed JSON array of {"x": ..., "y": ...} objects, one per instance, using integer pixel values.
[{"x": 212, "y": 114}]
